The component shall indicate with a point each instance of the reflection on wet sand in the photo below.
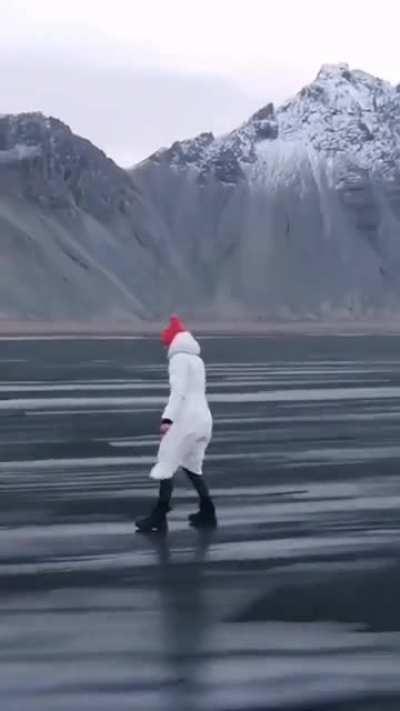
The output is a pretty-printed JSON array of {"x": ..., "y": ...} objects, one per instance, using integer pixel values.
[{"x": 185, "y": 618}]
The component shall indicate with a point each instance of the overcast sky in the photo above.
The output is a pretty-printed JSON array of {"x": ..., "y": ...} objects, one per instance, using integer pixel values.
[{"x": 134, "y": 75}]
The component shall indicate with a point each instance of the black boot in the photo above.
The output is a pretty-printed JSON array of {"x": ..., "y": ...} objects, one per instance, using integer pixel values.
[
  {"x": 156, "y": 522},
  {"x": 205, "y": 517}
]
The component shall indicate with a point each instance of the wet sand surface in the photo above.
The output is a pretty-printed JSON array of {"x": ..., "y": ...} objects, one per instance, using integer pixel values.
[{"x": 293, "y": 603}]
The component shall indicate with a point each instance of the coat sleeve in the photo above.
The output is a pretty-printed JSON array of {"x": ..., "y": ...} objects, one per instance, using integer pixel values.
[{"x": 178, "y": 382}]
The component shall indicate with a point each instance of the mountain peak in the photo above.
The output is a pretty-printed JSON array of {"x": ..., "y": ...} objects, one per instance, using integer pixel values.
[
  {"x": 56, "y": 168},
  {"x": 333, "y": 70},
  {"x": 338, "y": 83},
  {"x": 342, "y": 73}
]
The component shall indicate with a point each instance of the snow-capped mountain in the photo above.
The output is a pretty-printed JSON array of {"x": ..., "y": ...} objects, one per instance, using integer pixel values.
[{"x": 295, "y": 214}]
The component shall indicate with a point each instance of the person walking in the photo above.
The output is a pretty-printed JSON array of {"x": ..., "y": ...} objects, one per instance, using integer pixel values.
[{"x": 186, "y": 430}]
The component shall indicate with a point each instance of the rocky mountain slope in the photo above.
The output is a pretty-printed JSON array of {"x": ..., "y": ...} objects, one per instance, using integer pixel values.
[
  {"x": 296, "y": 214},
  {"x": 74, "y": 233}
]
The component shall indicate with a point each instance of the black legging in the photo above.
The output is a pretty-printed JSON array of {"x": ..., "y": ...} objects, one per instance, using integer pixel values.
[
  {"x": 198, "y": 482},
  {"x": 166, "y": 489}
]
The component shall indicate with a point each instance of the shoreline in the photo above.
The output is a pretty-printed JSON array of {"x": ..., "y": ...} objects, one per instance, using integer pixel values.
[{"x": 123, "y": 329}]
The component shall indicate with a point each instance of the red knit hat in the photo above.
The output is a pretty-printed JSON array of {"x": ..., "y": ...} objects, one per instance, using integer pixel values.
[{"x": 175, "y": 326}]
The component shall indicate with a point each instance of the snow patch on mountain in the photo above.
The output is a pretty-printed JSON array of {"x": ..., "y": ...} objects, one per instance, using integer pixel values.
[{"x": 19, "y": 152}]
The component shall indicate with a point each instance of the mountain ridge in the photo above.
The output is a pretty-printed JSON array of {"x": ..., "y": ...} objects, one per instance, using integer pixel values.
[{"x": 293, "y": 215}]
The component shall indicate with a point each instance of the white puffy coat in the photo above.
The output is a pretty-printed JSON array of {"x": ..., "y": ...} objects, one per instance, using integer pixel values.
[{"x": 186, "y": 442}]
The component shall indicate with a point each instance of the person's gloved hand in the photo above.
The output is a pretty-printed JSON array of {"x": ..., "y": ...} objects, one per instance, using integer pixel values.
[{"x": 165, "y": 427}]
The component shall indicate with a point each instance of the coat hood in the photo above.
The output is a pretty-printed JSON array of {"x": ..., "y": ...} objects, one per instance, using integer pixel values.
[{"x": 184, "y": 343}]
